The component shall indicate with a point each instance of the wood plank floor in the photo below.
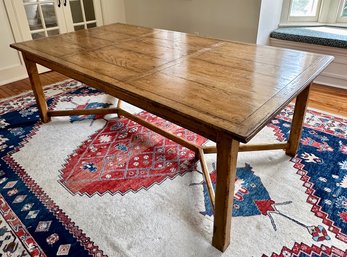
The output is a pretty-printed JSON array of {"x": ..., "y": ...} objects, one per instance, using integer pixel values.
[
  {"x": 330, "y": 99},
  {"x": 24, "y": 85}
]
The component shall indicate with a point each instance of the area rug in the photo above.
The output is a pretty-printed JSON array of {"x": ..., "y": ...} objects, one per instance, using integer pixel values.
[{"x": 106, "y": 186}]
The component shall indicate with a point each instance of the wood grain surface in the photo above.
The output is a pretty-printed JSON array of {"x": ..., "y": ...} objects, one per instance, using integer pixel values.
[
  {"x": 322, "y": 97},
  {"x": 207, "y": 85}
]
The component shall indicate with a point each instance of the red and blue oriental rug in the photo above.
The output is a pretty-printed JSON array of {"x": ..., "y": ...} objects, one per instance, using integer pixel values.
[{"x": 106, "y": 186}]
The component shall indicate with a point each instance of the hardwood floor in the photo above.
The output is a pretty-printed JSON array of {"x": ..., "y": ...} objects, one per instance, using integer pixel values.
[
  {"x": 24, "y": 85},
  {"x": 330, "y": 99}
]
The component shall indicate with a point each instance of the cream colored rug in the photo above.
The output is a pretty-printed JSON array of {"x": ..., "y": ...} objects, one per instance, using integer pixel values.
[{"x": 103, "y": 186}]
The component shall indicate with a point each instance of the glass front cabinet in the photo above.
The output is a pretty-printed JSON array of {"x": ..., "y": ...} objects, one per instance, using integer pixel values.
[{"x": 32, "y": 19}]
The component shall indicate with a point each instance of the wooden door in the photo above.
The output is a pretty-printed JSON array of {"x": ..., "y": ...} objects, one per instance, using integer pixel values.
[
  {"x": 32, "y": 19},
  {"x": 82, "y": 14}
]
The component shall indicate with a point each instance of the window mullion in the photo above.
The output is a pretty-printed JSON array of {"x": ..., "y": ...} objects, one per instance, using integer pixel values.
[
  {"x": 285, "y": 11},
  {"x": 333, "y": 11}
]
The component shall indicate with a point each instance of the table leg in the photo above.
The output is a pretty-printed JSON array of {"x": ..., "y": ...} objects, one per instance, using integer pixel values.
[
  {"x": 227, "y": 150},
  {"x": 37, "y": 89},
  {"x": 297, "y": 122}
]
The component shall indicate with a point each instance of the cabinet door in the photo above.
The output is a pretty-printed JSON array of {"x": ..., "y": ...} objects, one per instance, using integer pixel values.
[
  {"x": 36, "y": 18},
  {"x": 82, "y": 14},
  {"x": 32, "y": 19}
]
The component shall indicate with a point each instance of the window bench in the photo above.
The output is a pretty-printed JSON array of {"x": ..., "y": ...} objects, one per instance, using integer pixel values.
[{"x": 322, "y": 39}]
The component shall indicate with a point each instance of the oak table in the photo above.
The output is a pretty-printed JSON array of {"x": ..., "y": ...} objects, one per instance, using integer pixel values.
[{"x": 225, "y": 91}]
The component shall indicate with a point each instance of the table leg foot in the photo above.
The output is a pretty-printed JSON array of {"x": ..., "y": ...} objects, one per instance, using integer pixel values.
[
  {"x": 119, "y": 106},
  {"x": 227, "y": 150}
]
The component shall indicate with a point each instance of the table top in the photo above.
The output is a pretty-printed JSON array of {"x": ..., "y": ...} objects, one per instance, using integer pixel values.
[{"x": 210, "y": 86}]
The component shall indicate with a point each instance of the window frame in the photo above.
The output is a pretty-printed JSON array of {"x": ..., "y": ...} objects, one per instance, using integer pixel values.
[
  {"x": 340, "y": 18},
  {"x": 305, "y": 18},
  {"x": 329, "y": 13}
]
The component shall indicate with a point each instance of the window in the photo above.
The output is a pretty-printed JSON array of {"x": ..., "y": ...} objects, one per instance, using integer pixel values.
[
  {"x": 344, "y": 9},
  {"x": 342, "y": 12},
  {"x": 314, "y": 12},
  {"x": 304, "y": 8}
]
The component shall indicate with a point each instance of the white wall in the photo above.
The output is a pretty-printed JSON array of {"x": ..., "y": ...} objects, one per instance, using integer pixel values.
[
  {"x": 8, "y": 58},
  {"x": 269, "y": 18},
  {"x": 227, "y": 19},
  {"x": 10, "y": 63},
  {"x": 169, "y": 14},
  {"x": 113, "y": 11}
]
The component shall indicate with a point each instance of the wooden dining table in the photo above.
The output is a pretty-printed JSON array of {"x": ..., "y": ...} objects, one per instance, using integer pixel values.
[{"x": 225, "y": 91}]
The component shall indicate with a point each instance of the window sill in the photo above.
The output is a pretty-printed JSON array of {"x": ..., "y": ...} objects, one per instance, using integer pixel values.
[{"x": 312, "y": 24}]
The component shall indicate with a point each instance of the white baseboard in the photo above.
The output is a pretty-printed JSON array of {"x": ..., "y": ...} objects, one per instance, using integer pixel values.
[
  {"x": 12, "y": 74},
  {"x": 333, "y": 82},
  {"x": 15, "y": 73}
]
